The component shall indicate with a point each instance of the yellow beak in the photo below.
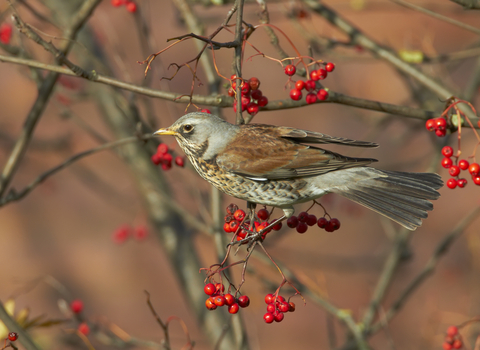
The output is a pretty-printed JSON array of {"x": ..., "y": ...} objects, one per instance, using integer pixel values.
[{"x": 165, "y": 132}]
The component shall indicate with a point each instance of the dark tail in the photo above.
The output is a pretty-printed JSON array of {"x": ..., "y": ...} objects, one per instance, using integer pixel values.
[{"x": 401, "y": 197}]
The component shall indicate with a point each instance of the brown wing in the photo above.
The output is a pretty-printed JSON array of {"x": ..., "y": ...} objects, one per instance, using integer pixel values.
[{"x": 267, "y": 152}]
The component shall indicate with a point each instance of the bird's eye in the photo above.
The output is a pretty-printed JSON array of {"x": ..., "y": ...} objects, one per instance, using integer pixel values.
[{"x": 187, "y": 128}]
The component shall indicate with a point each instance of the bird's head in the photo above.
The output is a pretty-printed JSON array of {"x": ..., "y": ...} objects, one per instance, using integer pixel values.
[{"x": 200, "y": 134}]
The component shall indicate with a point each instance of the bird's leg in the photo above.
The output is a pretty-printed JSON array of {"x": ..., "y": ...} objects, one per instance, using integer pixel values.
[{"x": 251, "y": 209}]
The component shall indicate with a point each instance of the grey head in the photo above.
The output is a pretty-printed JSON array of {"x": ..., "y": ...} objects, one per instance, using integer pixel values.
[{"x": 201, "y": 135}]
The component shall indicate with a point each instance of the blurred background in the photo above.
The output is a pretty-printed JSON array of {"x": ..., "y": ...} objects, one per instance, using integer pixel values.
[{"x": 57, "y": 241}]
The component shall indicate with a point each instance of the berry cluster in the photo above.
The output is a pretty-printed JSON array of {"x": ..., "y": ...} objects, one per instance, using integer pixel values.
[
  {"x": 304, "y": 220},
  {"x": 217, "y": 297},
  {"x": 452, "y": 339},
  {"x": 130, "y": 5},
  {"x": 164, "y": 157},
  {"x": 12, "y": 336},
  {"x": 5, "y": 33},
  {"x": 310, "y": 86},
  {"x": 439, "y": 125},
  {"x": 454, "y": 169},
  {"x": 276, "y": 308},
  {"x": 252, "y": 97},
  {"x": 236, "y": 217},
  {"x": 121, "y": 234}
]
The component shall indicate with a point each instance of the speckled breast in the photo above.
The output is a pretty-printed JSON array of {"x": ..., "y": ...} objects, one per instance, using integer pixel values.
[{"x": 274, "y": 192}]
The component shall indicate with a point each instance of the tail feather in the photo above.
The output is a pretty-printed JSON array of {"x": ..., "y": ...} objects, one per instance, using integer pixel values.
[{"x": 401, "y": 197}]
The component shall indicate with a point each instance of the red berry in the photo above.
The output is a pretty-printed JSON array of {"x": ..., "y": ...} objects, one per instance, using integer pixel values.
[
  {"x": 447, "y": 162},
  {"x": 162, "y": 149},
  {"x": 440, "y": 133},
  {"x": 447, "y": 346},
  {"x": 476, "y": 180},
  {"x": 268, "y": 317},
  {"x": 314, "y": 75},
  {"x": 447, "y": 151},
  {"x": 454, "y": 170},
  {"x": 263, "y": 101},
  {"x": 219, "y": 288},
  {"x": 239, "y": 215},
  {"x": 440, "y": 123},
  {"x": 118, "y": 3},
  {"x": 256, "y": 94},
  {"x": 279, "y": 316},
  {"x": 226, "y": 227},
  {"x": 452, "y": 331},
  {"x": 83, "y": 328},
  {"x": 322, "y": 94},
  {"x": 229, "y": 299},
  {"x": 310, "y": 85},
  {"x": 209, "y": 289},
  {"x": 430, "y": 124},
  {"x": 462, "y": 183},
  {"x": 457, "y": 344},
  {"x": 474, "y": 169},
  {"x": 180, "y": 161},
  {"x": 311, "y": 220},
  {"x": 290, "y": 70},
  {"x": 76, "y": 306},
  {"x": 5, "y": 33},
  {"x": 210, "y": 304},
  {"x": 252, "y": 108},
  {"x": 322, "y": 222},
  {"x": 232, "y": 208},
  {"x": 463, "y": 164},
  {"x": 335, "y": 223},
  {"x": 300, "y": 85},
  {"x": 311, "y": 98},
  {"x": 269, "y": 298},
  {"x": 283, "y": 307},
  {"x": 329, "y": 227},
  {"x": 295, "y": 94},
  {"x": 303, "y": 216},
  {"x": 329, "y": 67},
  {"x": 206, "y": 110},
  {"x": 12, "y": 336},
  {"x": 263, "y": 214},
  {"x": 277, "y": 226},
  {"x": 243, "y": 301},
  {"x": 121, "y": 234},
  {"x": 233, "y": 309},
  {"x": 451, "y": 183},
  {"x": 131, "y": 7},
  {"x": 156, "y": 159},
  {"x": 271, "y": 308},
  {"x": 322, "y": 74},
  {"x": 302, "y": 227},
  {"x": 291, "y": 306},
  {"x": 254, "y": 83},
  {"x": 219, "y": 300},
  {"x": 231, "y": 92},
  {"x": 280, "y": 299},
  {"x": 292, "y": 222}
]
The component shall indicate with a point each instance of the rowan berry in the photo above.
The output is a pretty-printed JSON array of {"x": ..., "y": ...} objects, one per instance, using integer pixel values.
[
  {"x": 131, "y": 7},
  {"x": 292, "y": 221},
  {"x": 233, "y": 309},
  {"x": 76, "y": 306},
  {"x": 322, "y": 222},
  {"x": 334, "y": 223},
  {"x": 322, "y": 94},
  {"x": 269, "y": 298},
  {"x": 209, "y": 289},
  {"x": 254, "y": 83},
  {"x": 311, "y": 220},
  {"x": 322, "y": 74},
  {"x": 310, "y": 85},
  {"x": 84, "y": 328},
  {"x": 447, "y": 162},
  {"x": 290, "y": 70},
  {"x": 256, "y": 94},
  {"x": 263, "y": 101},
  {"x": 12, "y": 336},
  {"x": 462, "y": 183},
  {"x": 430, "y": 124},
  {"x": 302, "y": 227},
  {"x": 454, "y": 170},
  {"x": 243, "y": 301},
  {"x": 463, "y": 164},
  {"x": 311, "y": 98},
  {"x": 300, "y": 85},
  {"x": 295, "y": 94},
  {"x": 279, "y": 316},
  {"x": 239, "y": 215},
  {"x": 330, "y": 67},
  {"x": 268, "y": 317},
  {"x": 451, "y": 183},
  {"x": 263, "y": 214},
  {"x": 303, "y": 216},
  {"x": 219, "y": 300},
  {"x": 474, "y": 169},
  {"x": 5, "y": 33},
  {"x": 447, "y": 151},
  {"x": 220, "y": 288},
  {"x": 452, "y": 331},
  {"x": 180, "y": 161},
  {"x": 229, "y": 299},
  {"x": 210, "y": 304}
]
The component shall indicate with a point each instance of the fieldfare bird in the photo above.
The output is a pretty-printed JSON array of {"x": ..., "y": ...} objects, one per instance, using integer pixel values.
[{"x": 272, "y": 165}]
